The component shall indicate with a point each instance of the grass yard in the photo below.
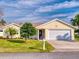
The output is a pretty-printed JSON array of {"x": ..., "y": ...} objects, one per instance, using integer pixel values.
[
  {"x": 20, "y": 45},
  {"x": 76, "y": 37}
]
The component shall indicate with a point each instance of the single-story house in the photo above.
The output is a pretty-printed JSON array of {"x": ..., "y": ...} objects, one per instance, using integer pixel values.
[
  {"x": 13, "y": 25},
  {"x": 53, "y": 30},
  {"x": 56, "y": 30}
]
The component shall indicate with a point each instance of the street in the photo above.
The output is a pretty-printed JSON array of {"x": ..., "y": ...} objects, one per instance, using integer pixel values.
[{"x": 54, "y": 55}]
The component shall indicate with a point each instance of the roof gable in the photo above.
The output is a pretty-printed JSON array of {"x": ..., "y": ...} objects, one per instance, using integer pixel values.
[
  {"x": 13, "y": 24},
  {"x": 58, "y": 20}
]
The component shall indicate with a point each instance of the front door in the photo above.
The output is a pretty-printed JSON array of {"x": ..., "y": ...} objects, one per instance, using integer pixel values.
[{"x": 41, "y": 34}]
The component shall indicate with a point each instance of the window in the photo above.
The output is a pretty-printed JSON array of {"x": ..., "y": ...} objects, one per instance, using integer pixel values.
[{"x": 1, "y": 30}]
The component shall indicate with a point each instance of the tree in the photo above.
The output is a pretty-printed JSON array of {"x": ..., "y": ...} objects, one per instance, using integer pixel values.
[
  {"x": 75, "y": 21},
  {"x": 27, "y": 30},
  {"x": 10, "y": 32},
  {"x": 2, "y": 22}
]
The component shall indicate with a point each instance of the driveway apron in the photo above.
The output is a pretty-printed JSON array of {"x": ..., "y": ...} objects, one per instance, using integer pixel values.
[{"x": 64, "y": 46}]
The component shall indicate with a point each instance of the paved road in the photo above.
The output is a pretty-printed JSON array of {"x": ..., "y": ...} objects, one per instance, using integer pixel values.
[{"x": 54, "y": 55}]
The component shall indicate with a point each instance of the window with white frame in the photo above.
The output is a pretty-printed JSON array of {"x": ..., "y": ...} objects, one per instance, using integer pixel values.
[{"x": 1, "y": 30}]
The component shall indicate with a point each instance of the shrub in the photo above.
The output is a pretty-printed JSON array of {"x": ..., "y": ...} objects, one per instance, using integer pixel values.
[{"x": 1, "y": 37}]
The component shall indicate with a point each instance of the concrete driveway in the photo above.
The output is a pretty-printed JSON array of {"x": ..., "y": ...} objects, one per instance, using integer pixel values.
[{"x": 62, "y": 46}]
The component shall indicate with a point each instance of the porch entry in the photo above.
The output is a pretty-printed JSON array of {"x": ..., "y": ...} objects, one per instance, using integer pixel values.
[{"x": 41, "y": 34}]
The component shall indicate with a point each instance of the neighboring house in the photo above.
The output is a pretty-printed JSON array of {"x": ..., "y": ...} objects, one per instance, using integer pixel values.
[
  {"x": 56, "y": 30},
  {"x": 13, "y": 25},
  {"x": 52, "y": 30},
  {"x": 1, "y": 30}
]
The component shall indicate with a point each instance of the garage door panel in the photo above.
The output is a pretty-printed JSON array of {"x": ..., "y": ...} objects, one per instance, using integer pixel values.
[{"x": 59, "y": 34}]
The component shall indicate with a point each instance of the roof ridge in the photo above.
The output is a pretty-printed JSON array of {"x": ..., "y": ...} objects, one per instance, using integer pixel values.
[{"x": 56, "y": 19}]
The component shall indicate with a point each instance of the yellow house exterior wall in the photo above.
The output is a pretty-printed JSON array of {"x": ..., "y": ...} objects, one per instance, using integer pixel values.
[
  {"x": 72, "y": 34},
  {"x": 15, "y": 27},
  {"x": 55, "y": 25}
]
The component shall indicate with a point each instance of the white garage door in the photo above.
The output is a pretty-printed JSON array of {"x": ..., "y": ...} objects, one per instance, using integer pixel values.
[{"x": 59, "y": 35}]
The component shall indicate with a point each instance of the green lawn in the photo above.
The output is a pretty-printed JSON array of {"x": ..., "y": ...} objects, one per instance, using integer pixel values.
[
  {"x": 76, "y": 37},
  {"x": 20, "y": 45}
]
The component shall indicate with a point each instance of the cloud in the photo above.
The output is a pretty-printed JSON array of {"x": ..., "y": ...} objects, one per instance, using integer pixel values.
[
  {"x": 66, "y": 15},
  {"x": 65, "y": 4},
  {"x": 23, "y": 3},
  {"x": 29, "y": 10},
  {"x": 32, "y": 2},
  {"x": 5, "y": 4},
  {"x": 60, "y": 15},
  {"x": 73, "y": 15},
  {"x": 12, "y": 13},
  {"x": 27, "y": 2},
  {"x": 31, "y": 18}
]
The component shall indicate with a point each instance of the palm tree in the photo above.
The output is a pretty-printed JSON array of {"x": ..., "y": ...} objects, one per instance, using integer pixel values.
[
  {"x": 2, "y": 22},
  {"x": 10, "y": 32}
]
